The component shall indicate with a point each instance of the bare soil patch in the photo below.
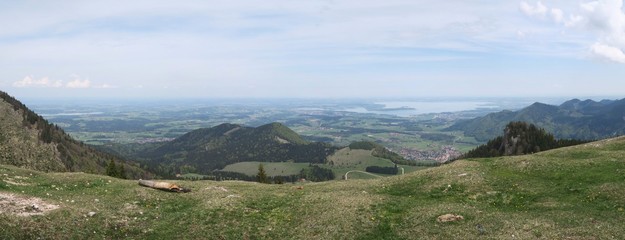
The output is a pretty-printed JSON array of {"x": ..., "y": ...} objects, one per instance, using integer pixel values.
[{"x": 23, "y": 206}]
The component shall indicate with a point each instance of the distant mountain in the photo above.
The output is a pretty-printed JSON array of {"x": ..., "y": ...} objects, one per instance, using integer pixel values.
[
  {"x": 574, "y": 119},
  {"x": 520, "y": 138},
  {"x": 28, "y": 140},
  {"x": 208, "y": 149}
]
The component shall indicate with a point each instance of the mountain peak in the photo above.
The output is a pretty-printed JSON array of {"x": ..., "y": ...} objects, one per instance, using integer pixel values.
[
  {"x": 575, "y": 118},
  {"x": 281, "y": 133},
  {"x": 208, "y": 149}
]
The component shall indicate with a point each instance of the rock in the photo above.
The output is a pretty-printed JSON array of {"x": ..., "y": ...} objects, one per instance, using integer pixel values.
[
  {"x": 480, "y": 229},
  {"x": 449, "y": 218},
  {"x": 91, "y": 214},
  {"x": 33, "y": 208}
]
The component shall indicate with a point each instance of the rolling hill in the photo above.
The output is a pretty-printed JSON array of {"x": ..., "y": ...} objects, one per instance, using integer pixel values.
[
  {"x": 28, "y": 140},
  {"x": 208, "y": 149},
  {"x": 567, "y": 193},
  {"x": 574, "y": 119}
]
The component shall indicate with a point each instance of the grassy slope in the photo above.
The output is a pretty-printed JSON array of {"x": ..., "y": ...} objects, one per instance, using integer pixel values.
[
  {"x": 344, "y": 160},
  {"x": 271, "y": 168},
  {"x": 574, "y": 193},
  {"x": 357, "y": 159}
]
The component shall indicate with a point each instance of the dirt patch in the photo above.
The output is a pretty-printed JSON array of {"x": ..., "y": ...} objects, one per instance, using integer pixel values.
[
  {"x": 23, "y": 206},
  {"x": 16, "y": 180},
  {"x": 449, "y": 218}
]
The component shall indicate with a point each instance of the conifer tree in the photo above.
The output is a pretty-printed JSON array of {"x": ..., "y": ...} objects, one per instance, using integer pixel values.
[
  {"x": 122, "y": 172},
  {"x": 111, "y": 169},
  {"x": 261, "y": 177}
]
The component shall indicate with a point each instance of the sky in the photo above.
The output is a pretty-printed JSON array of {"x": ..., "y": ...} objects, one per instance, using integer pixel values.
[{"x": 312, "y": 48}]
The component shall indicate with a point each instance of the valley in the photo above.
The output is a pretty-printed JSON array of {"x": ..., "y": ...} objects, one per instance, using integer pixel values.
[
  {"x": 421, "y": 136},
  {"x": 556, "y": 193}
]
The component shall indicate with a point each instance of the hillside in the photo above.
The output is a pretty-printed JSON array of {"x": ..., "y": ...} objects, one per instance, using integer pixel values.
[
  {"x": 27, "y": 140},
  {"x": 520, "y": 138},
  {"x": 574, "y": 119},
  {"x": 380, "y": 151},
  {"x": 568, "y": 193},
  {"x": 208, "y": 149}
]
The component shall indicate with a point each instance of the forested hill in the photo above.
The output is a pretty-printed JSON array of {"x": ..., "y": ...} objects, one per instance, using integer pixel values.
[
  {"x": 28, "y": 140},
  {"x": 520, "y": 138},
  {"x": 208, "y": 149},
  {"x": 574, "y": 119}
]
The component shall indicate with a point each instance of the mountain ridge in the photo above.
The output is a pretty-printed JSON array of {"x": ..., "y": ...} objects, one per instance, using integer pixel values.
[
  {"x": 30, "y": 141},
  {"x": 573, "y": 119}
]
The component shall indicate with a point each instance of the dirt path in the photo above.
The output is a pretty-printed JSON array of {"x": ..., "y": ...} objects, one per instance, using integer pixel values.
[{"x": 360, "y": 172}]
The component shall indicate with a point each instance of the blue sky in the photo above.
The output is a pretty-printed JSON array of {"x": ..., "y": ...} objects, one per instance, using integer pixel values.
[{"x": 312, "y": 49}]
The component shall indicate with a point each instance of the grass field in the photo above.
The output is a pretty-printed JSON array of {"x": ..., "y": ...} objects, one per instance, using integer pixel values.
[
  {"x": 568, "y": 193},
  {"x": 343, "y": 161},
  {"x": 346, "y": 159},
  {"x": 271, "y": 168}
]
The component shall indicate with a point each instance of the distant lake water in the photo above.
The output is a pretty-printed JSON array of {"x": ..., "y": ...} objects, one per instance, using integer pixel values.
[{"x": 411, "y": 108}]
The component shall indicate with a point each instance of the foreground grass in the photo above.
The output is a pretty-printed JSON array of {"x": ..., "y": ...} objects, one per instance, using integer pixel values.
[{"x": 574, "y": 193}]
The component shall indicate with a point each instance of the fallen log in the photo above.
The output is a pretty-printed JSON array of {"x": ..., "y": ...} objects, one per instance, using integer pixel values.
[{"x": 165, "y": 186}]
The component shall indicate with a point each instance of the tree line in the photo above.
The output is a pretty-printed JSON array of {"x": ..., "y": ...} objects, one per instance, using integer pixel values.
[{"x": 520, "y": 138}]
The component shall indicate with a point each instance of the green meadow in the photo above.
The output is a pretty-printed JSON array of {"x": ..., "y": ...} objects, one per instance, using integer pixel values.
[{"x": 569, "y": 193}]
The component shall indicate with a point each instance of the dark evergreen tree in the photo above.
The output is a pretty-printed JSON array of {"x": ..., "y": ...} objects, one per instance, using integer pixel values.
[
  {"x": 520, "y": 138},
  {"x": 111, "y": 169},
  {"x": 382, "y": 170},
  {"x": 121, "y": 172},
  {"x": 261, "y": 177}
]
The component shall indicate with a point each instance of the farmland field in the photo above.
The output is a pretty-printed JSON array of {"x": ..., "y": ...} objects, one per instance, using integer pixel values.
[{"x": 271, "y": 168}]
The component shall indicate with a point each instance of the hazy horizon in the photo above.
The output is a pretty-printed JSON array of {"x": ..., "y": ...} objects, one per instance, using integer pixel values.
[{"x": 317, "y": 49}]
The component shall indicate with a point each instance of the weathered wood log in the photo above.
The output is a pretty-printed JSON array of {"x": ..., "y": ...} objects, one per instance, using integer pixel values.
[{"x": 165, "y": 186}]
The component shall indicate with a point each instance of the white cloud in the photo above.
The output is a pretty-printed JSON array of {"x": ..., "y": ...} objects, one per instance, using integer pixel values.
[
  {"x": 574, "y": 20},
  {"x": 608, "y": 19},
  {"x": 104, "y": 86},
  {"x": 608, "y": 52},
  {"x": 45, "y": 82},
  {"x": 77, "y": 83},
  {"x": 603, "y": 18},
  {"x": 530, "y": 10},
  {"x": 557, "y": 15}
]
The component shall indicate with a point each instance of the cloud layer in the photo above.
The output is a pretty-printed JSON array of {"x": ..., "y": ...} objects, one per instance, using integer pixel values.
[
  {"x": 28, "y": 81},
  {"x": 603, "y": 18},
  {"x": 314, "y": 48},
  {"x": 45, "y": 82}
]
